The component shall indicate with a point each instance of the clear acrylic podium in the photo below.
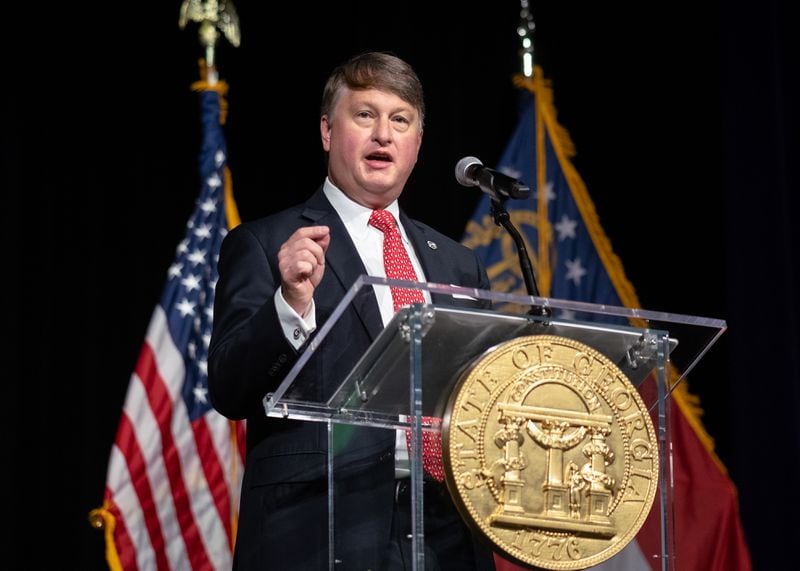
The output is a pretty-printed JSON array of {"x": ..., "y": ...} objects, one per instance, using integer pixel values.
[{"x": 406, "y": 376}]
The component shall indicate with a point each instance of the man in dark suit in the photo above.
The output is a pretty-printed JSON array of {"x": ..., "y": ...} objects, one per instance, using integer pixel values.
[{"x": 280, "y": 279}]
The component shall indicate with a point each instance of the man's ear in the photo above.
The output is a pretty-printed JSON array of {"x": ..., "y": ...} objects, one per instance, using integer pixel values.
[{"x": 325, "y": 132}]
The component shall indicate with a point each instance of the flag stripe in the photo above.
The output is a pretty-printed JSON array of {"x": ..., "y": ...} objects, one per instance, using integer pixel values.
[
  {"x": 224, "y": 434},
  {"x": 149, "y": 436},
  {"x": 161, "y": 405},
  {"x": 135, "y": 463},
  {"x": 205, "y": 537},
  {"x": 212, "y": 469}
]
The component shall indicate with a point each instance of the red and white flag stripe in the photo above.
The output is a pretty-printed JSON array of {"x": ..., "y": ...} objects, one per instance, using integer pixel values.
[{"x": 161, "y": 465}]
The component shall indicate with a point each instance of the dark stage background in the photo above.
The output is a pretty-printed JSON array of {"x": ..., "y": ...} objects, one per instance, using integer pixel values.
[{"x": 684, "y": 116}]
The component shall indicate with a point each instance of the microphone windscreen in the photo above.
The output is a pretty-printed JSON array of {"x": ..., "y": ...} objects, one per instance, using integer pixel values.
[{"x": 462, "y": 171}]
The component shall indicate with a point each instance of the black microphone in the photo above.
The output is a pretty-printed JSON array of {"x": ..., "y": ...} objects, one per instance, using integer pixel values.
[{"x": 471, "y": 172}]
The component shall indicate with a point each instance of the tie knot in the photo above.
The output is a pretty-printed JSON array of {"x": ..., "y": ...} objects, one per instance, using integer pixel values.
[{"x": 382, "y": 220}]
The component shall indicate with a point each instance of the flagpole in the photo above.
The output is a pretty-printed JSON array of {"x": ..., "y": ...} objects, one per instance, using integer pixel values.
[
  {"x": 497, "y": 206},
  {"x": 525, "y": 32}
]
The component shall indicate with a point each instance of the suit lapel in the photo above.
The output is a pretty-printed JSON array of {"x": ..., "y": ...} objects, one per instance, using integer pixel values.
[
  {"x": 435, "y": 265},
  {"x": 343, "y": 261}
]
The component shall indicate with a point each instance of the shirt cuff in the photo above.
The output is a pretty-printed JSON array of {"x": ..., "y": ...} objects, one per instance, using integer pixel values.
[{"x": 296, "y": 328}]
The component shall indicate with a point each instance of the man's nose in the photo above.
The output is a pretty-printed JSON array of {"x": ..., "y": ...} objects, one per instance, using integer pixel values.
[{"x": 383, "y": 131}]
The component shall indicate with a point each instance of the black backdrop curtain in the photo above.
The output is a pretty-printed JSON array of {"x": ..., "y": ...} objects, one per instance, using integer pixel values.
[{"x": 685, "y": 122}]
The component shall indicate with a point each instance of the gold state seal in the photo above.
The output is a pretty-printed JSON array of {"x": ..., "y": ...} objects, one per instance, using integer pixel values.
[{"x": 550, "y": 452}]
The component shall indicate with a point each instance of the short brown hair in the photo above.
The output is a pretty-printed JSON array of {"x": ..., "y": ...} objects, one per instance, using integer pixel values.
[{"x": 375, "y": 70}]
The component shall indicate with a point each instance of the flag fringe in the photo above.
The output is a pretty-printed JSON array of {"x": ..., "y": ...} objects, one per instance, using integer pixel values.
[
  {"x": 231, "y": 210},
  {"x": 234, "y": 475},
  {"x": 565, "y": 150},
  {"x": 101, "y": 518},
  {"x": 692, "y": 410}
]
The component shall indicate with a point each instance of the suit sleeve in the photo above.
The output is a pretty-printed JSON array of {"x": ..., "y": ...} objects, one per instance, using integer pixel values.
[{"x": 249, "y": 354}]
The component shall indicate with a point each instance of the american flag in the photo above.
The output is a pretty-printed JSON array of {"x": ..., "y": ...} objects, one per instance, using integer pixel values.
[
  {"x": 174, "y": 474},
  {"x": 574, "y": 261}
]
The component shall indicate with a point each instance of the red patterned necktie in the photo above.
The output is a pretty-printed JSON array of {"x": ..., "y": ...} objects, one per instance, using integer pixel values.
[{"x": 398, "y": 267}]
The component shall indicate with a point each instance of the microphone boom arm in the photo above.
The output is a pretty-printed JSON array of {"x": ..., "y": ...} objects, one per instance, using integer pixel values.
[{"x": 502, "y": 218}]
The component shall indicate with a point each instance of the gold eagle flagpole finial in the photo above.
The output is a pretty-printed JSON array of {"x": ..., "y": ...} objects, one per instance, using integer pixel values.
[{"x": 214, "y": 16}]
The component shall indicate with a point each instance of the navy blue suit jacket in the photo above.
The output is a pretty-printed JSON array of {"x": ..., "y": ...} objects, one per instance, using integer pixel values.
[{"x": 249, "y": 356}]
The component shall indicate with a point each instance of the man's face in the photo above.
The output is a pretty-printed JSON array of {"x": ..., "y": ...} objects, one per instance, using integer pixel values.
[{"x": 372, "y": 138}]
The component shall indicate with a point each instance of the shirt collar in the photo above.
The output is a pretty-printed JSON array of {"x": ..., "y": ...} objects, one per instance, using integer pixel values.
[{"x": 354, "y": 215}]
